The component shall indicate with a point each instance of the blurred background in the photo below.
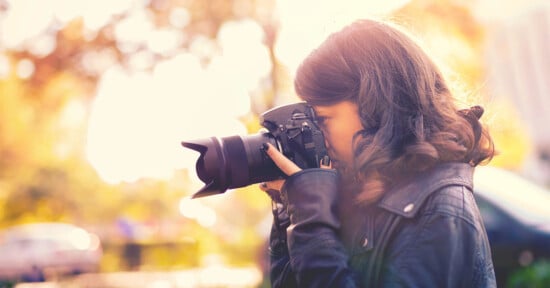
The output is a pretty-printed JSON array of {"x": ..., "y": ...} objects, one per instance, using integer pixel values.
[{"x": 96, "y": 96}]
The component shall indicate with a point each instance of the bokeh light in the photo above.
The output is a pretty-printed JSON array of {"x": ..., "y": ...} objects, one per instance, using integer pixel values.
[{"x": 140, "y": 117}]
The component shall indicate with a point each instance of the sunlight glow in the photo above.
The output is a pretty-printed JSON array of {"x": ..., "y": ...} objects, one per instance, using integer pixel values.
[
  {"x": 28, "y": 21},
  {"x": 80, "y": 239},
  {"x": 194, "y": 209},
  {"x": 5, "y": 66},
  {"x": 163, "y": 41},
  {"x": 97, "y": 14},
  {"x": 97, "y": 62},
  {"x": 43, "y": 45},
  {"x": 217, "y": 274},
  {"x": 329, "y": 17},
  {"x": 133, "y": 31},
  {"x": 73, "y": 114},
  {"x": 139, "y": 118},
  {"x": 142, "y": 112},
  {"x": 25, "y": 68},
  {"x": 511, "y": 8},
  {"x": 223, "y": 276},
  {"x": 241, "y": 43},
  {"x": 180, "y": 17}
]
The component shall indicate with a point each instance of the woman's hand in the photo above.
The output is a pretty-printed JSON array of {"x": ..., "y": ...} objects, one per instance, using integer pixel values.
[{"x": 286, "y": 165}]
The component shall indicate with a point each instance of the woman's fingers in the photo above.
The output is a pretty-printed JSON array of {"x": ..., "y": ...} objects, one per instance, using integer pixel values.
[
  {"x": 325, "y": 163},
  {"x": 288, "y": 167},
  {"x": 273, "y": 189},
  {"x": 272, "y": 185}
]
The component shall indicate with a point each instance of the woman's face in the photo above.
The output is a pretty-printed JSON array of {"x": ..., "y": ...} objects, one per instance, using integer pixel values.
[{"x": 339, "y": 123}]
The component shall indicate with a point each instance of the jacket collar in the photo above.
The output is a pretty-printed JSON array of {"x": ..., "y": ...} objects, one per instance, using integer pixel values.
[{"x": 406, "y": 200}]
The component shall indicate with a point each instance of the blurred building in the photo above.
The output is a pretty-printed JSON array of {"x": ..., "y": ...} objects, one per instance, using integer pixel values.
[{"x": 518, "y": 47}]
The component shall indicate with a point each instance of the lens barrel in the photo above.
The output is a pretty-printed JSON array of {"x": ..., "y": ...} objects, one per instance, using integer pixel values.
[{"x": 233, "y": 162}]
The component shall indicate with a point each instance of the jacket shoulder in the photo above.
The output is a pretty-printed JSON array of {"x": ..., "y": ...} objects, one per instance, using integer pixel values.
[
  {"x": 453, "y": 200},
  {"x": 406, "y": 200}
]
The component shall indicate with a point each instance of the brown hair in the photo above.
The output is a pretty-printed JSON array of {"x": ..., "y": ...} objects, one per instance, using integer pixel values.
[{"x": 410, "y": 120}]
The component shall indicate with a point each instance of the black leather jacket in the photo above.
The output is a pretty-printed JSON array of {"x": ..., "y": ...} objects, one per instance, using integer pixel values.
[{"x": 425, "y": 234}]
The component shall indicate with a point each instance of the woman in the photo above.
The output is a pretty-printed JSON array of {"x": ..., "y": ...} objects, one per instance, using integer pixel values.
[{"x": 397, "y": 210}]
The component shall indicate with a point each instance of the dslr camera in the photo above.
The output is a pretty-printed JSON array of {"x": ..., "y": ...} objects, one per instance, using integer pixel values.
[{"x": 238, "y": 161}]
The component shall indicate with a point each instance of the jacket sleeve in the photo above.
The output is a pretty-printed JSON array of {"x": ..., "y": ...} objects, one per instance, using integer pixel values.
[
  {"x": 314, "y": 256},
  {"x": 280, "y": 272}
]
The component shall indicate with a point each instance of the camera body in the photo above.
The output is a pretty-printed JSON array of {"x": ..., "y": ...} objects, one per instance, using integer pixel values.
[
  {"x": 296, "y": 130},
  {"x": 238, "y": 161}
]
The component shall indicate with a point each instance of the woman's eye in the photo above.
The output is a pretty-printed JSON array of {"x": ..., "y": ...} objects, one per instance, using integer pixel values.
[{"x": 321, "y": 120}]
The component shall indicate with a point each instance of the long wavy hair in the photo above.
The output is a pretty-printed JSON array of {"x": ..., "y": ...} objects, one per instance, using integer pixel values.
[{"x": 409, "y": 117}]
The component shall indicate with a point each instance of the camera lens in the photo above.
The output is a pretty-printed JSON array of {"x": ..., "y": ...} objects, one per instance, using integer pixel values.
[{"x": 233, "y": 162}]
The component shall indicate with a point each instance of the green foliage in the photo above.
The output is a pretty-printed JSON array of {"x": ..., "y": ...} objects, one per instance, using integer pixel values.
[
  {"x": 536, "y": 275},
  {"x": 7, "y": 284}
]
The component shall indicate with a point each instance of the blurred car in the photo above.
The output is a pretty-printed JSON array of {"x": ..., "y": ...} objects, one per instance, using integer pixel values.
[
  {"x": 36, "y": 252},
  {"x": 516, "y": 213}
]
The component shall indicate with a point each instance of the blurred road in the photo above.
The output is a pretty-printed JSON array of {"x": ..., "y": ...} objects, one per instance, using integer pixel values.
[{"x": 194, "y": 278}]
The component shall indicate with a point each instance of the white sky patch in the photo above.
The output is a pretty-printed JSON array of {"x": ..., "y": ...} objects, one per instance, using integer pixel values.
[
  {"x": 26, "y": 23},
  {"x": 25, "y": 68},
  {"x": 243, "y": 54},
  {"x": 193, "y": 209},
  {"x": 140, "y": 118},
  {"x": 25, "y": 19},
  {"x": 180, "y": 17},
  {"x": 298, "y": 35},
  {"x": 163, "y": 41},
  {"x": 134, "y": 30},
  {"x": 485, "y": 10},
  {"x": 97, "y": 14},
  {"x": 42, "y": 45}
]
